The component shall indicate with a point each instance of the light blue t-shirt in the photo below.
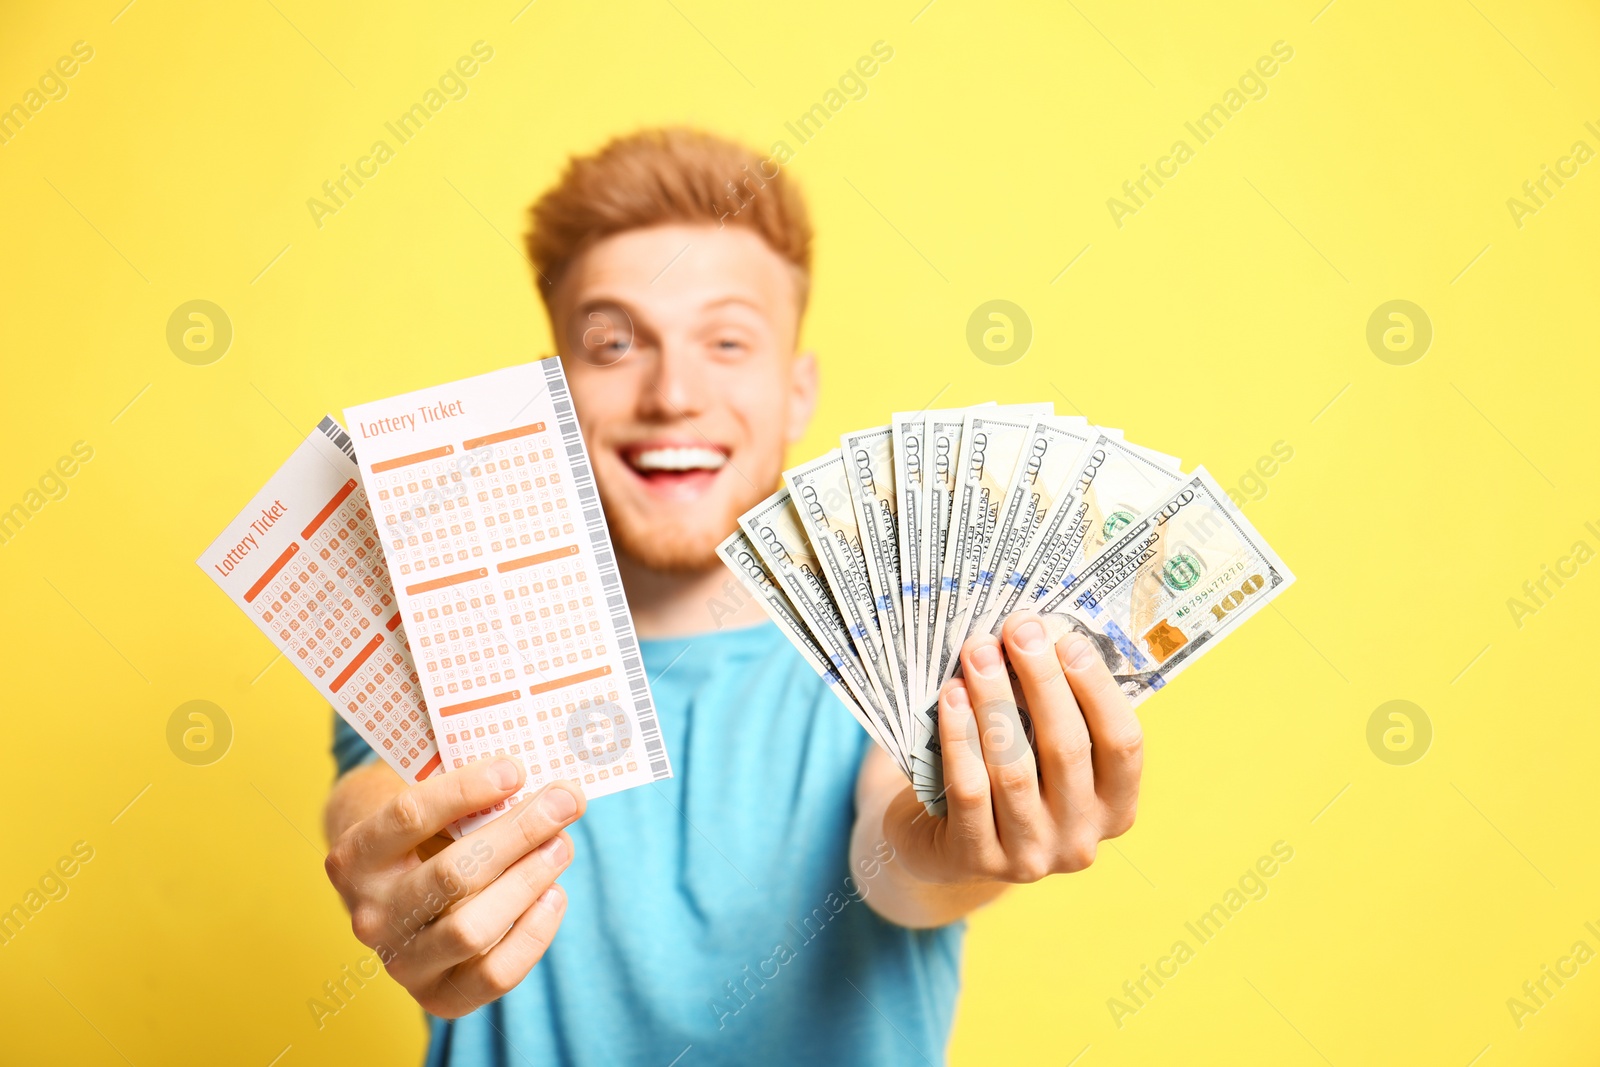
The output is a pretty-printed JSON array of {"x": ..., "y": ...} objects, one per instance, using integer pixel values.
[{"x": 710, "y": 917}]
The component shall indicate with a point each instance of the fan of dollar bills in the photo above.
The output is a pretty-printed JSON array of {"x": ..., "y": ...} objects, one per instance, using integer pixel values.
[{"x": 879, "y": 559}]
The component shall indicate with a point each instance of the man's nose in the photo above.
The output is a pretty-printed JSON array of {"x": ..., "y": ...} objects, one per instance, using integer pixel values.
[{"x": 676, "y": 386}]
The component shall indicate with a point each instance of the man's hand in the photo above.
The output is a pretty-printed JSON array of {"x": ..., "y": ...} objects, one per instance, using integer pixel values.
[
  {"x": 1011, "y": 818},
  {"x": 457, "y": 923}
]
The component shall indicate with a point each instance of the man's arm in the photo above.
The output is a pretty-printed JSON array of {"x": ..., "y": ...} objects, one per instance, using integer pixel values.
[
  {"x": 1011, "y": 818},
  {"x": 457, "y": 923}
]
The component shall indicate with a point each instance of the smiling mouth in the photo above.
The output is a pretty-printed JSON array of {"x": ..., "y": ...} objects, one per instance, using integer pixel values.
[{"x": 674, "y": 468}]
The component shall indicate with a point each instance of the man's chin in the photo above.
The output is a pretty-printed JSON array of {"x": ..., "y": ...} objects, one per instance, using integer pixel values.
[
  {"x": 672, "y": 551},
  {"x": 680, "y": 537}
]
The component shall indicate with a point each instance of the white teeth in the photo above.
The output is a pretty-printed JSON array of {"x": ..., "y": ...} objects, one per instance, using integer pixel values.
[{"x": 678, "y": 459}]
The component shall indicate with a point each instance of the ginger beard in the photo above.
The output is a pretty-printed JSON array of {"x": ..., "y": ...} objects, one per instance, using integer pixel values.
[
  {"x": 685, "y": 382},
  {"x": 699, "y": 498}
]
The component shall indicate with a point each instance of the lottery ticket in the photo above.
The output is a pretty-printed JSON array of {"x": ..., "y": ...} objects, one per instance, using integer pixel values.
[
  {"x": 303, "y": 561},
  {"x": 507, "y": 582}
]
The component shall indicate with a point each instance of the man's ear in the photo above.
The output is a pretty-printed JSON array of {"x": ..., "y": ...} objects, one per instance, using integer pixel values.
[{"x": 803, "y": 375}]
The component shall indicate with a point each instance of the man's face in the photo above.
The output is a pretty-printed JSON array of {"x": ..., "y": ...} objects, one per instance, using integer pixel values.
[{"x": 679, "y": 345}]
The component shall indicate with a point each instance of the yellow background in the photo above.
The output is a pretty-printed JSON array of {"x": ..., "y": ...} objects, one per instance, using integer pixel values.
[{"x": 1226, "y": 315}]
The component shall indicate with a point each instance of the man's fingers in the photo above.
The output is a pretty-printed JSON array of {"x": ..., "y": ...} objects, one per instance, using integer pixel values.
[
  {"x": 494, "y": 974},
  {"x": 425, "y": 809},
  {"x": 1006, "y": 752},
  {"x": 1118, "y": 737},
  {"x": 1066, "y": 775},
  {"x": 477, "y": 860},
  {"x": 472, "y": 928},
  {"x": 1007, "y": 756},
  {"x": 969, "y": 817}
]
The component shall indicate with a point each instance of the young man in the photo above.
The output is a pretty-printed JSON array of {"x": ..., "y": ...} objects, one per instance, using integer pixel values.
[{"x": 783, "y": 898}]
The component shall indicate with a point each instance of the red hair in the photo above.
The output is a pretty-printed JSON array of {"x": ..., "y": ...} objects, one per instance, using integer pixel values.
[{"x": 662, "y": 176}]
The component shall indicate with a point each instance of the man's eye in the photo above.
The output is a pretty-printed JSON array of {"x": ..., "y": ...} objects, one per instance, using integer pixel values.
[
  {"x": 728, "y": 344},
  {"x": 602, "y": 336}
]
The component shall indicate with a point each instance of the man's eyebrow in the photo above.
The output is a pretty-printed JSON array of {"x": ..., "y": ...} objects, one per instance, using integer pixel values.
[
  {"x": 600, "y": 299},
  {"x": 726, "y": 300}
]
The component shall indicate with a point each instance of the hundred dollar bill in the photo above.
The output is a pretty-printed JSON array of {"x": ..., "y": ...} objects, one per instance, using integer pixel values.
[
  {"x": 1050, "y": 456},
  {"x": 774, "y": 529},
  {"x": 821, "y": 493},
  {"x": 942, "y": 438},
  {"x": 869, "y": 460},
  {"x": 991, "y": 443},
  {"x": 1113, "y": 485},
  {"x": 741, "y": 557},
  {"x": 942, "y": 453},
  {"x": 908, "y": 437},
  {"x": 1176, "y": 581},
  {"x": 942, "y": 435},
  {"x": 934, "y": 437},
  {"x": 1161, "y": 459}
]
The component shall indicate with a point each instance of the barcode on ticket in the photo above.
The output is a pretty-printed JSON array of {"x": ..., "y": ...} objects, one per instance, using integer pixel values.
[
  {"x": 335, "y": 433},
  {"x": 594, "y": 521}
]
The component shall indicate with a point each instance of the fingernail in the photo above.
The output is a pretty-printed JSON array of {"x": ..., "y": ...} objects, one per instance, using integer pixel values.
[
  {"x": 1029, "y": 636},
  {"x": 504, "y": 773},
  {"x": 554, "y": 898},
  {"x": 958, "y": 699},
  {"x": 554, "y": 850},
  {"x": 986, "y": 659},
  {"x": 1079, "y": 652},
  {"x": 559, "y": 804}
]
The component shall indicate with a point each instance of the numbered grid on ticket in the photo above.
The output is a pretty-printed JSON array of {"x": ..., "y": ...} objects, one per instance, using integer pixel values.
[
  {"x": 507, "y": 582},
  {"x": 303, "y": 561}
]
